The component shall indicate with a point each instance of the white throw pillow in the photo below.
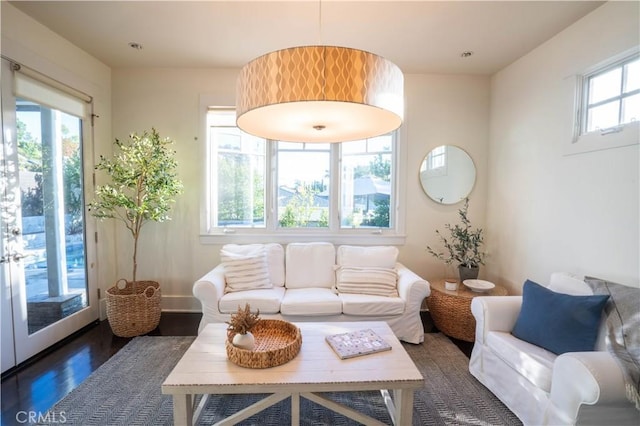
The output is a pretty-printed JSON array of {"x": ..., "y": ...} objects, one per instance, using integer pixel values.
[
  {"x": 310, "y": 265},
  {"x": 366, "y": 256},
  {"x": 245, "y": 271},
  {"x": 370, "y": 280},
  {"x": 275, "y": 258}
]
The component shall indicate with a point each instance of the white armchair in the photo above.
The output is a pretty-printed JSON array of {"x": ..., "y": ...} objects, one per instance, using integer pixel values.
[{"x": 540, "y": 387}]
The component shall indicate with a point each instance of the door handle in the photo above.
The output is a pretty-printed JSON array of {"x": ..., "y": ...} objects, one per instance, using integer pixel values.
[{"x": 17, "y": 257}]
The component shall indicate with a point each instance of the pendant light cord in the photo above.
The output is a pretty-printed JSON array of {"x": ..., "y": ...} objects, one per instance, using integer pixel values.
[
  {"x": 319, "y": 22},
  {"x": 324, "y": 59}
]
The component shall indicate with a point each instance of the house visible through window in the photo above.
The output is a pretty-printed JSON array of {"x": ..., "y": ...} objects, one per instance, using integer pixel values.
[
  {"x": 262, "y": 186},
  {"x": 303, "y": 172}
]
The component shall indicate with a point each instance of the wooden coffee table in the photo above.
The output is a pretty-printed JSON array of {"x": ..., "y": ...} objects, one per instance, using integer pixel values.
[{"x": 204, "y": 369}]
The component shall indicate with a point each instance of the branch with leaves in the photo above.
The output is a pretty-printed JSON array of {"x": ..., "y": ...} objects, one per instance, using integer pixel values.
[
  {"x": 463, "y": 245},
  {"x": 143, "y": 184}
]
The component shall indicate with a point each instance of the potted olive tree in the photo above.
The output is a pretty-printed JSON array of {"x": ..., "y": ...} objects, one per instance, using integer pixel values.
[
  {"x": 143, "y": 183},
  {"x": 463, "y": 246}
]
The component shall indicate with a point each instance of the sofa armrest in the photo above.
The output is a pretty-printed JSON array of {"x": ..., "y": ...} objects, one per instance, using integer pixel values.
[
  {"x": 209, "y": 289},
  {"x": 411, "y": 288},
  {"x": 586, "y": 378},
  {"x": 495, "y": 313}
]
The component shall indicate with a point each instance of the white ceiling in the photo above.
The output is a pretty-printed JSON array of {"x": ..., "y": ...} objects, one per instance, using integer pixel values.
[{"x": 419, "y": 36}]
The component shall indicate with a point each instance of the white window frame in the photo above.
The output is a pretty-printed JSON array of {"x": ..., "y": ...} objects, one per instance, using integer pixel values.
[
  {"x": 621, "y": 135},
  {"x": 394, "y": 235}
]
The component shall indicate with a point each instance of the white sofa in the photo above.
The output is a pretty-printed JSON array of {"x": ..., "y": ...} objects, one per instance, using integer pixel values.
[
  {"x": 540, "y": 387},
  {"x": 307, "y": 288}
]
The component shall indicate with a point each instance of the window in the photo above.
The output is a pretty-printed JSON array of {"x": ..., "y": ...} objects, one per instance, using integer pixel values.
[
  {"x": 296, "y": 189},
  {"x": 608, "y": 105},
  {"x": 238, "y": 179},
  {"x": 612, "y": 96},
  {"x": 303, "y": 171},
  {"x": 436, "y": 162},
  {"x": 366, "y": 183}
]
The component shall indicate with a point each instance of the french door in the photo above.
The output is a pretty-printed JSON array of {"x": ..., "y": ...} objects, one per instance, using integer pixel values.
[{"x": 48, "y": 288}]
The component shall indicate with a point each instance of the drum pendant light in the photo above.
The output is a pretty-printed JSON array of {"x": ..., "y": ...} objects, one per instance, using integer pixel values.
[{"x": 319, "y": 94}]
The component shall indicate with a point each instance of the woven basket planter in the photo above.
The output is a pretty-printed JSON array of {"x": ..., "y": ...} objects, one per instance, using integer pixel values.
[
  {"x": 276, "y": 342},
  {"x": 133, "y": 311}
]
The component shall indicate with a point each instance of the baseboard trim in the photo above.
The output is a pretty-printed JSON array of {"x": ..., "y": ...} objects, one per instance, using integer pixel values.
[
  {"x": 168, "y": 304},
  {"x": 181, "y": 304}
]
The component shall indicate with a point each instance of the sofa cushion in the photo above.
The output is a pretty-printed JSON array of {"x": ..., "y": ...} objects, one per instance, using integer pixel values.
[
  {"x": 245, "y": 271},
  {"x": 532, "y": 362},
  {"x": 275, "y": 258},
  {"x": 559, "y": 322},
  {"x": 310, "y": 301},
  {"x": 369, "y": 280},
  {"x": 266, "y": 300},
  {"x": 310, "y": 265},
  {"x": 364, "y": 256},
  {"x": 369, "y": 305}
]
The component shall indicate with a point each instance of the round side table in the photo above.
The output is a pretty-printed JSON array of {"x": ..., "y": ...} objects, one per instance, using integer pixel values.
[{"x": 451, "y": 310}]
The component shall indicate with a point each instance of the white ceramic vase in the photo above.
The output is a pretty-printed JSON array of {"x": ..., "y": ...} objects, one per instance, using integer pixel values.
[{"x": 244, "y": 341}]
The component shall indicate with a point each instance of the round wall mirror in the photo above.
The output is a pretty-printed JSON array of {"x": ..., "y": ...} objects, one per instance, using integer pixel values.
[{"x": 447, "y": 174}]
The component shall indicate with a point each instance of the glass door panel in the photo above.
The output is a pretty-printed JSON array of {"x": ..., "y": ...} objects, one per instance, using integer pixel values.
[
  {"x": 50, "y": 175},
  {"x": 47, "y": 269}
]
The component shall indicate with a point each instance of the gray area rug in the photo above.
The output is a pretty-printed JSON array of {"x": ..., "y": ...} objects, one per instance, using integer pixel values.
[{"x": 126, "y": 390}]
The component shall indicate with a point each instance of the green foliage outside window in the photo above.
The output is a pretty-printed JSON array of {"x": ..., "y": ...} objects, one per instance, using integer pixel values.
[
  {"x": 240, "y": 198},
  {"x": 30, "y": 159},
  {"x": 302, "y": 212}
]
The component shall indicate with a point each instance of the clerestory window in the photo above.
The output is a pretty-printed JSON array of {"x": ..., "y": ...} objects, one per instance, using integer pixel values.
[
  {"x": 608, "y": 105},
  {"x": 612, "y": 96}
]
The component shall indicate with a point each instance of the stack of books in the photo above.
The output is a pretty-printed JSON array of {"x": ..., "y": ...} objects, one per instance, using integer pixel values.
[{"x": 357, "y": 343}]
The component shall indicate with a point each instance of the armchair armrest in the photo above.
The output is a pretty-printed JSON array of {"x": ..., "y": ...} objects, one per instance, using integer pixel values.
[
  {"x": 211, "y": 285},
  {"x": 586, "y": 378},
  {"x": 411, "y": 288},
  {"x": 495, "y": 313},
  {"x": 209, "y": 289}
]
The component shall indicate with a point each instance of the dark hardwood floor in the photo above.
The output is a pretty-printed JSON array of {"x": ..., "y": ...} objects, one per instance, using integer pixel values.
[
  {"x": 429, "y": 327},
  {"x": 43, "y": 381},
  {"x": 49, "y": 377}
]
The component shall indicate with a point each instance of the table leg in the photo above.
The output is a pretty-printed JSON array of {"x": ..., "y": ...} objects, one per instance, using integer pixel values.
[
  {"x": 295, "y": 409},
  {"x": 404, "y": 406},
  {"x": 182, "y": 410}
]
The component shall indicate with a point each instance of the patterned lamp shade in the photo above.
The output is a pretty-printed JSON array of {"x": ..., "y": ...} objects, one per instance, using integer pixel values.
[{"x": 319, "y": 94}]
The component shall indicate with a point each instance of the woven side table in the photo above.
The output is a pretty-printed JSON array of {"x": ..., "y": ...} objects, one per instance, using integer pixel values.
[{"x": 451, "y": 310}]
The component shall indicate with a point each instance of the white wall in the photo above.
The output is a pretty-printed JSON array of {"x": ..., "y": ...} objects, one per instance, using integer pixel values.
[
  {"x": 169, "y": 100},
  {"x": 550, "y": 212},
  {"x": 544, "y": 211},
  {"x": 28, "y": 42},
  {"x": 440, "y": 110}
]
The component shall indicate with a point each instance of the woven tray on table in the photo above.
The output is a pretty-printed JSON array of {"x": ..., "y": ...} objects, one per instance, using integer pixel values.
[{"x": 276, "y": 342}]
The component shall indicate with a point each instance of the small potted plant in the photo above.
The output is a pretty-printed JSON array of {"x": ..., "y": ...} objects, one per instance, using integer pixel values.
[
  {"x": 240, "y": 326},
  {"x": 463, "y": 246},
  {"x": 143, "y": 183}
]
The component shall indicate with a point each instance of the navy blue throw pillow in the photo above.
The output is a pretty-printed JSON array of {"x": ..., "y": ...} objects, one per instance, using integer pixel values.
[{"x": 558, "y": 322}]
